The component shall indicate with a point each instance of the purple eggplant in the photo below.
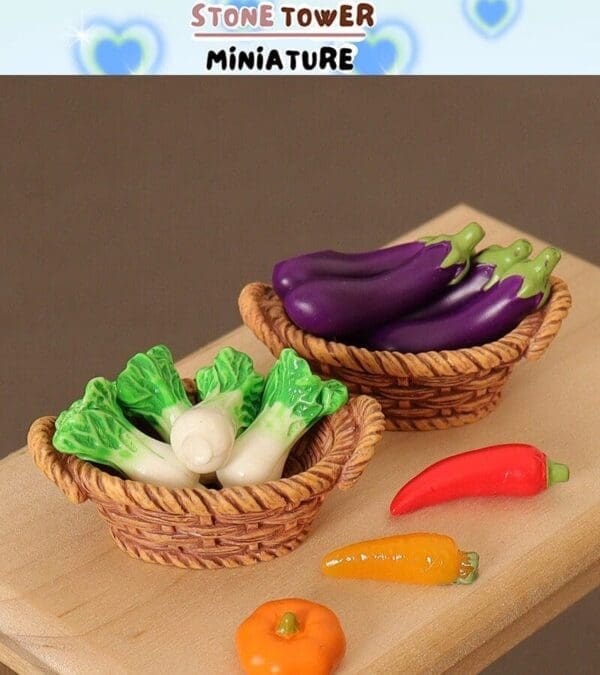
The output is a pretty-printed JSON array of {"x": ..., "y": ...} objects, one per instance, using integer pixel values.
[
  {"x": 341, "y": 307},
  {"x": 485, "y": 317},
  {"x": 291, "y": 273},
  {"x": 486, "y": 268}
]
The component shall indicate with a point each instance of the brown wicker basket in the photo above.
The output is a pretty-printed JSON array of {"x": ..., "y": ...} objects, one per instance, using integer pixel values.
[
  {"x": 417, "y": 392},
  {"x": 205, "y": 528}
]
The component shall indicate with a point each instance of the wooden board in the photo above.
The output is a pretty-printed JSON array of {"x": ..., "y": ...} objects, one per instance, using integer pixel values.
[{"x": 71, "y": 602}]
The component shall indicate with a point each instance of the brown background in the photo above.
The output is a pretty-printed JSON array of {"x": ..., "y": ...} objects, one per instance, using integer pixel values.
[{"x": 132, "y": 211}]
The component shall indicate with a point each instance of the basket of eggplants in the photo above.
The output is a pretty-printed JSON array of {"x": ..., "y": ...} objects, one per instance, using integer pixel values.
[{"x": 431, "y": 328}]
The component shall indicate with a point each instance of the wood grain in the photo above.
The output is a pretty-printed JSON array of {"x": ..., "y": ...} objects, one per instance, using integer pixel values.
[{"x": 71, "y": 602}]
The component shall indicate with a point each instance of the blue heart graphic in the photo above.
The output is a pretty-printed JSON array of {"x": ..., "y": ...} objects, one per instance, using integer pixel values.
[
  {"x": 118, "y": 58},
  {"x": 491, "y": 12},
  {"x": 106, "y": 48},
  {"x": 492, "y": 18},
  {"x": 390, "y": 49},
  {"x": 375, "y": 59}
]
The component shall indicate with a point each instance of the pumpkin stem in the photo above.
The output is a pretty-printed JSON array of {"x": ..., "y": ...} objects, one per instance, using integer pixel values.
[{"x": 288, "y": 625}]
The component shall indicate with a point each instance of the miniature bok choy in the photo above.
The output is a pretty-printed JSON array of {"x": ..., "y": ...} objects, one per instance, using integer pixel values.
[
  {"x": 95, "y": 429},
  {"x": 293, "y": 400},
  {"x": 230, "y": 391},
  {"x": 150, "y": 389}
]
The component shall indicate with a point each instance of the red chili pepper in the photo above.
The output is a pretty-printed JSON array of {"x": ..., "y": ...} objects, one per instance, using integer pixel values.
[{"x": 514, "y": 469}]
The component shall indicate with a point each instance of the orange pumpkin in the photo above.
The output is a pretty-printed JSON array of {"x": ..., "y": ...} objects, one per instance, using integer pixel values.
[{"x": 290, "y": 637}]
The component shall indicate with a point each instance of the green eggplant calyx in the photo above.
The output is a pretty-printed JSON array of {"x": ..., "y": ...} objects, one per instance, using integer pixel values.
[
  {"x": 556, "y": 473},
  {"x": 502, "y": 258},
  {"x": 536, "y": 274},
  {"x": 288, "y": 625},
  {"x": 462, "y": 245},
  {"x": 469, "y": 568}
]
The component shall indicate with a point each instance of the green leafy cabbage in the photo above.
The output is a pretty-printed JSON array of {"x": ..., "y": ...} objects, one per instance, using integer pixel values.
[
  {"x": 232, "y": 377},
  {"x": 150, "y": 388},
  {"x": 95, "y": 429},
  {"x": 305, "y": 396},
  {"x": 293, "y": 400}
]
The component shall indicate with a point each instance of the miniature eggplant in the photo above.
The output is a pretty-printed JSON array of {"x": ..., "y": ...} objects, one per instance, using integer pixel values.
[
  {"x": 292, "y": 272},
  {"x": 486, "y": 268},
  {"x": 486, "y": 317},
  {"x": 343, "y": 307}
]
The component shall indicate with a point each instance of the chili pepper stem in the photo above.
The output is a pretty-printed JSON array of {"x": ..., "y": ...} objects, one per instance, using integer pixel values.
[
  {"x": 288, "y": 625},
  {"x": 469, "y": 568},
  {"x": 556, "y": 473}
]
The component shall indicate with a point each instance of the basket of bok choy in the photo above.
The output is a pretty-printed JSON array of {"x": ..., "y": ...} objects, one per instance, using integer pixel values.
[
  {"x": 431, "y": 328},
  {"x": 224, "y": 470}
]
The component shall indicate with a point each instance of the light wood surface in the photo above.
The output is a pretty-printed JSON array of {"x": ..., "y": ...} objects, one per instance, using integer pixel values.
[{"x": 71, "y": 602}]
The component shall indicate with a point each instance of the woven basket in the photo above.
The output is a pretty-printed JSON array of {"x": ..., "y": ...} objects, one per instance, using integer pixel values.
[
  {"x": 417, "y": 392},
  {"x": 205, "y": 528}
]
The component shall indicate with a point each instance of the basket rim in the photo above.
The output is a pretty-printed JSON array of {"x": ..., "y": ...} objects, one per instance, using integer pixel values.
[
  {"x": 355, "y": 427},
  {"x": 264, "y": 314}
]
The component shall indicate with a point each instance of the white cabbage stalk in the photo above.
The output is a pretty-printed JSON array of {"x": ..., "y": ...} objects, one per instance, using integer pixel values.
[
  {"x": 95, "y": 429},
  {"x": 203, "y": 436},
  {"x": 293, "y": 400}
]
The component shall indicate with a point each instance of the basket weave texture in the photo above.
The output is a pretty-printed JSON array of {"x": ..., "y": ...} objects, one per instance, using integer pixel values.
[
  {"x": 417, "y": 392},
  {"x": 206, "y": 528}
]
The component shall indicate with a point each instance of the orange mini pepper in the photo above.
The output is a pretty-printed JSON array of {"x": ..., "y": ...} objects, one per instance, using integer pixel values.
[
  {"x": 290, "y": 637},
  {"x": 419, "y": 558}
]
